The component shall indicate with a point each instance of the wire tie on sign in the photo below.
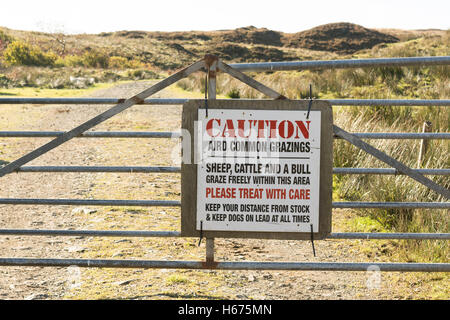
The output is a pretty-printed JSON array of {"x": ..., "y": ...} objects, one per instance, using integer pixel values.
[
  {"x": 310, "y": 101},
  {"x": 201, "y": 233},
  {"x": 312, "y": 240}
]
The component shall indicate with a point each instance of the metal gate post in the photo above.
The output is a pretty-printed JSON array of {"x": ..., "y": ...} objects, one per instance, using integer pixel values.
[
  {"x": 211, "y": 62},
  {"x": 212, "y": 70},
  {"x": 209, "y": 251}
]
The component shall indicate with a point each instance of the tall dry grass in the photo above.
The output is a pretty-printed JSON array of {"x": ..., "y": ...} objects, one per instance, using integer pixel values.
[
  {"x": 380, "y": 188},
  {"x": 417, "y": 83}
]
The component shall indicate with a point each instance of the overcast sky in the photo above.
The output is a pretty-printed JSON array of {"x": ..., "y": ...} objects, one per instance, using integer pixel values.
[{"x": 94, "y": 16}]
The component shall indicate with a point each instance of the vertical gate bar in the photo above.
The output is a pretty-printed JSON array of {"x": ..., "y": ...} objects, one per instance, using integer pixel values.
[
  {"x": 212, "y": 71},
  {"x": 209, "y": 251},
  {"x": 212, "y": 81}
]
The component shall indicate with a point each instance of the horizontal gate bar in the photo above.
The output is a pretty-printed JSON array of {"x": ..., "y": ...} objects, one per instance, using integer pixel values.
[
  {"x": 77, "y": 202},
  {"x": 241, "y": 265},
  {"x": 174, "y": 203},
  {"x": 88, "y": 101},
  {"x": 90, "y": 134},
  {"x": 345, "y": 63},
  {"x": 389, "y": 235},
  {"x": 90, "y": 233},
  {"x": 389, "y": 102},
  {"x": 156, "y": 101},
  {"x": 400, "y": 135},
  {"x": 175, "y": 234},
  {"x": 443, "y": 172},
  {"x": 140, "y": 169},
  {"x": 391, "y": 205},
  {"x": 146, "y": 134},
  {"x": 99, "y": 169}
]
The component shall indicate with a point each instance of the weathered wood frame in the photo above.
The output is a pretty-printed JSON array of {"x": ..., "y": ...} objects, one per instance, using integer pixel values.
[{"x": 189, "y": 171}]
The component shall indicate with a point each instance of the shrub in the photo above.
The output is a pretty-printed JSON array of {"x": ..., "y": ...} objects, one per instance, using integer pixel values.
[
  {"x": 22, "y": 53},
  {"x": 73, "y": 61},
  {"x": 109, "y": 76},
  {"x": 141, "y": 74},
  {"x": 4, "y": 81},
  {"x": 5, "y": 37},
  {"x": 95, "y": 59},
  {"x": 118, "y": 62},
  {"x": 92, "y": 59},
  {"x": 4, "y": 40},
  {"x": 234, "y": 94},
  {"x": 135, "y": 64}
]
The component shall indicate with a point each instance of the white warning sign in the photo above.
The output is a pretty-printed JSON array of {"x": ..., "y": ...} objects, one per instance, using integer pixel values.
[{"x": 258, "y": 170}]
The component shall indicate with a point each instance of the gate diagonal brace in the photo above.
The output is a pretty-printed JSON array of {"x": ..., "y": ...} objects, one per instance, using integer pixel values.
[
  {"x": 392, "y": 162},
  {"x": 139, "y": 98},
  {"x": 249, "y": 81}
]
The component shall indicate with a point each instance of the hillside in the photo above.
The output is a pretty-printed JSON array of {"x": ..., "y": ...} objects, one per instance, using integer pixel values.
[
  {"x": 51, "y": 60},
  {"x": 171, "y": 50},
  {"x": 339, "y": 37},
  {"x": 261, "y": 44}
]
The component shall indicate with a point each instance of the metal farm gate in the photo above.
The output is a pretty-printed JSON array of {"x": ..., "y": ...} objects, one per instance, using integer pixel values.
[{"x": 211, "y": 65}]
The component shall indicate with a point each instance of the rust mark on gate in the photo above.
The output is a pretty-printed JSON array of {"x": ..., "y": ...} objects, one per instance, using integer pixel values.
[{"x": 210, "y": 59}]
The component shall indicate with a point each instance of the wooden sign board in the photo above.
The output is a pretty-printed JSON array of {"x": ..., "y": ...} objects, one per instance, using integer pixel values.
[{"x": 257, "y": 169}]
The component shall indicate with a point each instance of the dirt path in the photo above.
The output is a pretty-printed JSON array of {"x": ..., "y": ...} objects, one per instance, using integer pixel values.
[{"x": 56, "y": 283}]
